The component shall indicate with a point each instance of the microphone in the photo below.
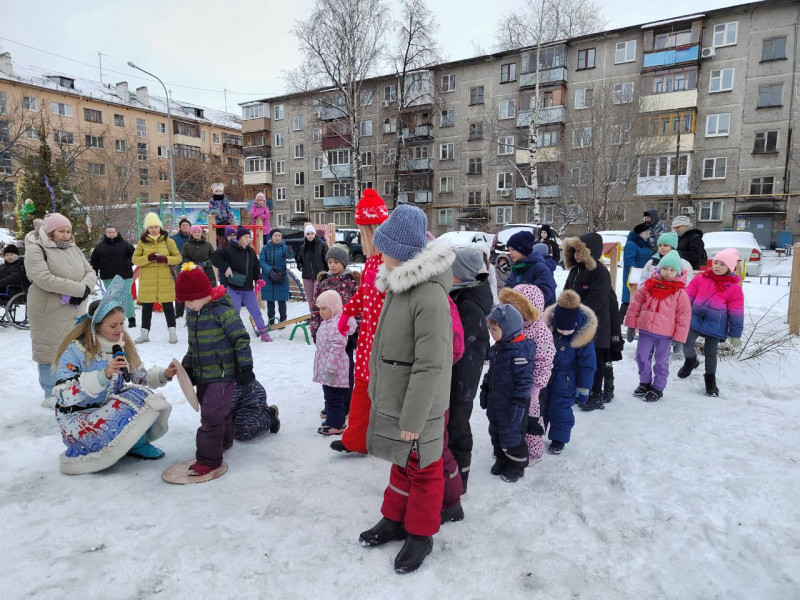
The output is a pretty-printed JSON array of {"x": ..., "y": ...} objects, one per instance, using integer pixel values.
[{"x": 118, "y": 351}]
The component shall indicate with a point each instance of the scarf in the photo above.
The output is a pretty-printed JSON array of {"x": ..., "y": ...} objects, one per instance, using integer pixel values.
[
  {"x": 64, "y": 245},
  {"x": 721, "y": 282},
  {"x": 660, "y": 289}
]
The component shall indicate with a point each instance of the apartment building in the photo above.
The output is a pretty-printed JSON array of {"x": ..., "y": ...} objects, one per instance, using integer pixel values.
[
  {"x": 115, "y": 136},
  {"x": 692, "y": 115}
]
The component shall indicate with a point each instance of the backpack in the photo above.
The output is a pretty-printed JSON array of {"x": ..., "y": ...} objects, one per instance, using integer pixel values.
[{"x": 458, "y": 331}]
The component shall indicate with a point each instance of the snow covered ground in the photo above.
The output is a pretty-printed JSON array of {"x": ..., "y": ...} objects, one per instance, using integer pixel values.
[{"x": 690, "y": 497}]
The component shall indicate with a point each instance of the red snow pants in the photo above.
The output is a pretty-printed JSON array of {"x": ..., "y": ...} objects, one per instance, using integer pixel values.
[
  {"x": 354, "y": 437},
  {"x": 453, "y": 487},
  {"x": 414, "y": 496}
]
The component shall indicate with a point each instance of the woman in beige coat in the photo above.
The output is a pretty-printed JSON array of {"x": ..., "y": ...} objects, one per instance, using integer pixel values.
[{"x": 61, "y": 280}]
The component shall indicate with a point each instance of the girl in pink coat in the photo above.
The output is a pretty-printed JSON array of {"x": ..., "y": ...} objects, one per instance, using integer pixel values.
[
  {"x": 259, "y": 210},
  {"x": 331, "y": 363},
  {"x": 662, "y": 312},
  {"x": 529, "y": 300}
]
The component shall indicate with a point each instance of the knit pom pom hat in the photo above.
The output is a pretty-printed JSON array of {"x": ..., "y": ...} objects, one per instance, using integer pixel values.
[
  {"x": 670, "y": 238},
  {"x": 53, "y": 221},
  {"x": 151, "y": 220},
  {"x": 330, "y": 299},
  {"x": 567, "y": 311},
  {"x": 671, "y": 260},
  {"x": 402, "y": 236},
  {"x": 371, "y": 209},
  {"x": 192, "y": 283},
  {"x": 729, "y": 256}
]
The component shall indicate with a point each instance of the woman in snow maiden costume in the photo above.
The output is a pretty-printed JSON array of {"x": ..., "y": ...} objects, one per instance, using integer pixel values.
[
  {"x": 102, "y": 416},
  {"x": 61, "y": 280},
  {"x": 410, "y": 384},
  {"x": 717, "y": 313},
  {"x": 366, "y": 303}
]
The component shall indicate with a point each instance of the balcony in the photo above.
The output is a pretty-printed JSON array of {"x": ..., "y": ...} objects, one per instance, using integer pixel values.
[
  {"x": 671, "y": 56},
  {"x": 557, "y": 75},
  {"x": 665, "y": 144},
  {"x": 186, "y": 140},
  {"x": 332, "y": 142},
  {"x": 260, "y": 151},
  {"x": 547, "y": 116},
  {"x": 337, "y": 172},
  {"x": 669, "y": 101},
  {"x": 228, "y": 148},
  {"x": 546, "y": 154},
  {"x": 474, "y": 212},
  {"x": 337, "y": 201},
  {"x": 259, "y": 178},
  {"x": 252, "y": 125},
  {"x": 328, "y": 113},
  {"x": 662, "y": 185},
  {"x": 415, "y": 197},
  {"x": 416, "y": 164},
  {"x": 545, "y": 191},
  {"x": 420, "y": 132}
]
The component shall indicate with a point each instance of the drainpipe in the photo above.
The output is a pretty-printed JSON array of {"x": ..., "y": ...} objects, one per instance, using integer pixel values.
[{"x": 786, "y": 171}]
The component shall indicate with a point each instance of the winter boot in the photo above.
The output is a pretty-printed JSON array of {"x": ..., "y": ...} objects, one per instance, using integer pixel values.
[
  {"x": 145, "y": 450},
  {"x": 555, "y": 447},
  {"x": 330, "y": 430},
  {"x": 595, "y": 402},
  {"x": 384, "y": 531},
  {"x": 173, "y": 335},
  {"x": 711, "y": 385},
  {"x": 274, "y": 421},
  {"x": 453, "y": 513},
  {"x": 608, "y": 384},
  {"x": 413, "y": 552},
  {"x": 497, "y": 467},
  {"x": 338, "y": 446},
  {"x": 653, "y": 395},
  {"x": 131, "y": 322},
  {"x": 264, "y": 335},
  {"x": 198, "y": 470},
  {"x": 642, "y": 390},
  {"x": 689, "y": 365},
  {"x": 511, "y": 474},
  {"x": 144, "y": 336}
]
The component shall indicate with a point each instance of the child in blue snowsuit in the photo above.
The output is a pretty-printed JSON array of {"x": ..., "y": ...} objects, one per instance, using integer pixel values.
[
  {"x": 506, "y": 391},
  {"x": 573, "y": 326}
]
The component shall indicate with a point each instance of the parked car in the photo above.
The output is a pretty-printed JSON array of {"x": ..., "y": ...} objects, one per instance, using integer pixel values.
[
  {"x": 352, "y": 239},
  {"x": 466, "y": 238},
  {"x": 744, "y": 241},
  {"x": 506, "y": 231},
  {"x": 293, "y": 238}
]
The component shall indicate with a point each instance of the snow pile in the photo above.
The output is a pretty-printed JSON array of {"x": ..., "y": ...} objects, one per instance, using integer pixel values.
[{"x": 7, "y": 236}]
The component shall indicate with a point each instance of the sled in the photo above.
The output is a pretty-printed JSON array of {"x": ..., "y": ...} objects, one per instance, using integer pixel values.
[
  {"x": 178, "y": 473},
  {"x": 186, "y": 385},
  {"x": 302, "y": 323}
]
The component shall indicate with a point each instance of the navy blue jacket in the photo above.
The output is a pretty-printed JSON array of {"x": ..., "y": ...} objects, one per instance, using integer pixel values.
[
  {"x": 506, "y": 388},
  {"x": 574, "y": 363},
  {"x": 636, "y": 254},
  {"x": 538, "y": 273}
]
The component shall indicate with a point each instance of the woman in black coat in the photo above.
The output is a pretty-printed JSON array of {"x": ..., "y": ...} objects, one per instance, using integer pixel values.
[
  {"x": 198, "y": 250},
  {"x": 311, "y": 261},
  {"x": 547, "y": 237},
  {"x": 111, "y": 257}
]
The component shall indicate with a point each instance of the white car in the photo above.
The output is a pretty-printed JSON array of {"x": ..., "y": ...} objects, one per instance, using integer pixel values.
[
  {"x": 467, "y": 238},
  {"x": 744, "y": 241}
]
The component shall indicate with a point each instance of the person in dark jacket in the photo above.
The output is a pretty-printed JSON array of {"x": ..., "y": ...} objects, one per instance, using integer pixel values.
[
  {"x": 473, "y": 299},
  {"x": 589, "y": 277},
  {"x": 198, "y": 250},
  {"x": 238, "y": 258},
  {"x": 616, "y": 348},
  {"x": 656, "y": 226},
  {"x": 542, "y": 250},
  {"x": 506, "y": 391},
  {"x": 528, "y": 267},
  {"x": 180, "y": 238},
  {"x": 546, "y": 236},
  {"x": 274, "y": 256},
  {"x": 690, "y": 242},
  {"x": 12, "y": 271},
  {"x": 635, "y": 255},
  {"x": 311, "y": 262},
  {"x": 111, "y": 257}
]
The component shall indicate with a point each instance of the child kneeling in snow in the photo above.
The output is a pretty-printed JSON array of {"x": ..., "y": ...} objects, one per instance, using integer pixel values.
[
  {"x": 250, "y": 413},
  {"x": 331, "y": 363},
  {"x": 661, "y": 311}
]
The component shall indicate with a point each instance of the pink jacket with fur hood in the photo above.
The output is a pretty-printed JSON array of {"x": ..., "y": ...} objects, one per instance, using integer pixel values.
[
  {"x": 661, "y": 307},
  {"x": 529, "y": 301}
]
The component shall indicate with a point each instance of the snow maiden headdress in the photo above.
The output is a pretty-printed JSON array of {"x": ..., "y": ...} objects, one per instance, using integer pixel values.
[{"x": 114, "y": 297}]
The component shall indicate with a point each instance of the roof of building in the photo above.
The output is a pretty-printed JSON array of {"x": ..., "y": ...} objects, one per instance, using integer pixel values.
[{"x": 102, "y": 92}]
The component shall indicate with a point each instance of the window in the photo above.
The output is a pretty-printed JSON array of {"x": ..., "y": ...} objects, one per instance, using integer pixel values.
[
  {"x": 255, "y": 165},
  {"x": 766, "y": 142},
  {"x": 300, "y": 205},
  {"x": 671, "y": 39},
  {"x": 162, "y": 152},
  {"x": 548, "y": 175},
  {"x": 161, "y": 127},
  {"x": 6, "y": 166},
  {"x": 449, "y": 82},
  {"x": 92, "y": 116},
  {"x": 253, "y": 111},
  {"x": 141, "y": 128},
  {"x": 584, "y": 98},
  {"x": 122, "y": 172},
  {"x": 187, "y": 151},
  {"x": 445, "y": 216},
  {"x": 476, "y": 95},
  {"x": 683, "y": 165},
  {"x": 549, "y": 58},
  {"x": 623, "y": 93},
  {"x": 215, "y": 138},
  {"x": 30, "y": 133},
  {"x": 93, "y": 141},
  {"x": 388, "y": 188},
  {"x": 725, "y": 34},
  {"x": 476, "y": 131},
  {"x": 762, "y": 186},
  {"x": 280, "y": 193},
  {"x": 586, "y": 58},
  {"x": 505, "y": 181},
  {"x": 390, "y": 125},
  {"x": 446, "y": 185},
  {"x": 63, "y": 137},
  {"x": 473, "y": 198},
  {"x": 319, "y": 191},
  {"x": 279, "y": 140},
  {"x": 503, "y": 215},
  {"x": 203, "y": 136},
  {"x": 318, "y": 162},
  {"x": 548, "y": 138},
  {"x": 547, "y": 214},
  {"x": 660, "y": 166},
  {"x": 625, "y": 52},
  {"x": 710, "y": 210},
  {"x": 447, "y": 151},
  {"x": 621, "y": 134},
  {"x": 318, "y": 217},
  {"x": 121, "y": 145},
  {"x": 339, "y": 157},
  {"x": 280, "y": 167},
  {"x": 278, "y": 113},
  {"x": 141, "y": 151},
  {"x": 670, "y": 124},
  {"x": 58, "y": 108},
  {"x": 281, "y": 218},
  {"x": 505, "y": 145},
  {"x": 366, "y": 97},
  {"x": 578, "y": 176},
  {"x": 475, "y": 166},
  {"x": 342, "y": 219},
  {"x": 366, "y": 128},
  {"x": 316, "y": 135},
  {"x": 448, "y": 118},
  {"x": 297, "y": 123},
  {"x": 582, "y": 137},
  {"x": 507, "y": 109},
  {"x": 674, "y": 82},
  {"x": 618, "y": 173},
  {"x": 718, "y": 125},
  {"x": 366, "y": 159},
  {"x": 144, "y": 177},
  {"x": 389, "y": 157},
  {"x": 163, "y": 176},
  {"x": 299, "y": 178},
  {"x": 97, "y": 169},
  {"x": 119, "y": 120},
  {"x": 369, "y": 185},
  {"x": 721, "y": 81},
  {"x": 770, "y": 95},
  {"x": 714, "y": 168},
  {"x": 30, "y": 103},
  {"x": 508, "y": 72},
  {"x": 390, "y": 93},
  {"x": 771, "y": 49},
  {"x": 299, "y": 151}
]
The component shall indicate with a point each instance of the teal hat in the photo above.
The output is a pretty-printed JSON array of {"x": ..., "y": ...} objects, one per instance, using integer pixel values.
[
  {"x": 672, "y": 260},
  {"x": 670, "y": 238},
  {"x": 115, "y": 296}
]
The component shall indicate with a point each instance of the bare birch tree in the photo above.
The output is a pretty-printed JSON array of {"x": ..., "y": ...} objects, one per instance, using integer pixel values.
[{"x": 544, "y": 21}]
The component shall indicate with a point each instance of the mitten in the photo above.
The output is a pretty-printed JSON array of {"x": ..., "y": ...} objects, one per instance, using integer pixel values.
[
  {"x": 244, "y": 375},
  {"x": 736, "y": 342},
  {"x": 582, "y": 398},
  {"x": 630, "y": 335},
  {"x": 86, "y": 293},
  {"x": 65, "y": 298},
  {"x": 534, "y": 428},
  {"x": 160, "y": 258},
  {"x": 343, "y": 325},
  {"x": 260, "y": 284},
  {"x": 75, "y": 301},
  {"x": 152, "y": 257},
  {"x": 484, "y": 396}
]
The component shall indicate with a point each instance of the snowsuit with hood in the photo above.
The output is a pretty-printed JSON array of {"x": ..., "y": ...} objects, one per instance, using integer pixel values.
[{"x": 657, "y": 227}]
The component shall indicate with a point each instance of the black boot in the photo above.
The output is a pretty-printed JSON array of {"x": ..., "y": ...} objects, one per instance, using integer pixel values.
[
  {"x": 711, "y": 385},
  {"x": 608, "y": 384},
  {"x": 689, "y": 365},
  {"x": 131, "y": 322},
  {"x": 453, "y": 513},
  {"x": 413, "y": 552},
  {"x": 595, "y": 402},
  {"x": 384, "y": 531}
]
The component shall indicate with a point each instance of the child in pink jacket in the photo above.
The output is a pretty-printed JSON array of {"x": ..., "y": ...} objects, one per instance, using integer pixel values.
[
  {"x": 529, "y": 300},
  {"x": 331, "y": 363},
  {"x": 259, "y": 210},
  {"x": 662, "y": 312}
]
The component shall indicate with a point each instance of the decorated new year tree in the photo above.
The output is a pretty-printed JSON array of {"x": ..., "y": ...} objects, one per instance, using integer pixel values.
[{"x": 40, "y": 188}]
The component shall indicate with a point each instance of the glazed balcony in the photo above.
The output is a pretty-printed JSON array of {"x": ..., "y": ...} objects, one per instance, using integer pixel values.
[
  {"x": 338, "y": 201},
  {"x": 671, "y": 56},
  {"x": 337, "y": 171},
  {"x": 547, "y": 116},
  {"x": 550, "y": 76}
]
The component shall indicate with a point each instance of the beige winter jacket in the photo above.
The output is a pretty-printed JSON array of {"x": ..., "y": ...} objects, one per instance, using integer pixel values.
[
  {"x": 66, "y": 271},
  {"x": 412, "y": 358}
]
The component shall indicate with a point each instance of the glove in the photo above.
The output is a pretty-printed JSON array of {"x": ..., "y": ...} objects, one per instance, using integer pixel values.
[
  {"x": 160, "y": 258},
  {"x": 736, "y": 343},
  {"x": 260, "y": 284},
  {"x": 343, "y": 326},
  {"x": 75, "y": 301},
  {"x": 65, "y": 298},
  {"x": 484, "y": 396},
  {"x": 86, "y": 293},
  {"x": 245, "y": 375},
  {"x": 534, "y": 428},
  {"x": 677, "y": 347},
  {"x": 582, "y": 398},
  {"x": 152, "y": 257},
  {"x": 630, "y": 335}
]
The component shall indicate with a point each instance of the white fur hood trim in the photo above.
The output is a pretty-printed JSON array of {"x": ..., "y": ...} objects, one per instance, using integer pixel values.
[{"x": 434, "y": 260}]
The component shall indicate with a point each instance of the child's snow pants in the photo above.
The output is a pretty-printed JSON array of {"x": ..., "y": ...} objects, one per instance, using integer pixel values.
[
  {"x": 414, "y": 496},
  {"x": 216, "y": 424}
]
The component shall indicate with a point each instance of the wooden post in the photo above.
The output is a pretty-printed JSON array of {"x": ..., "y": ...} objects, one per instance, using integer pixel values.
[
  {"x": 212, "y": 233},
  {"x": 794, "y": 293}
]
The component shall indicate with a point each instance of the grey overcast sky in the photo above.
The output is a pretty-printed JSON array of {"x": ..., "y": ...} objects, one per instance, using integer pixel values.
[{"x": 242, "y": 46}]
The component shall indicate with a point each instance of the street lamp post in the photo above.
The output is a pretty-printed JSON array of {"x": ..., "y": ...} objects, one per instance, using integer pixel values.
[{"x": 169, "y": 134}]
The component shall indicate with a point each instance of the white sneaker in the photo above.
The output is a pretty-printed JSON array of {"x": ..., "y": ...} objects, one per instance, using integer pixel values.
[
  {"x": 173, "y": 335},
  {"x": 144, "y": 336}
]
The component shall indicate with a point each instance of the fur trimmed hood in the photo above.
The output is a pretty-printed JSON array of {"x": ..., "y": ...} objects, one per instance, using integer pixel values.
[
  {"x": 529, "y": 312},
  {"x": 573, "y": 246},
  {"x": 354, "y": 275},
  {"x": 433, "y": 260},
  {"x": 585, "y": 331}
]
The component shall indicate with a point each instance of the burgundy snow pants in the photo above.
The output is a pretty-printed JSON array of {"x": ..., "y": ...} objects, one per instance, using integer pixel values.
[
  {"x": 216, "y": 423},
  {"x": 414, "y": 496},
  {"x": 452, "y": 474}
]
